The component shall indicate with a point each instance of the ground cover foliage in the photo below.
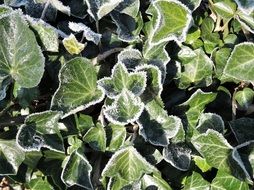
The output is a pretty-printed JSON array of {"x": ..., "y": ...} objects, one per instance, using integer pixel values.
[{"x": 127, "y": 94}]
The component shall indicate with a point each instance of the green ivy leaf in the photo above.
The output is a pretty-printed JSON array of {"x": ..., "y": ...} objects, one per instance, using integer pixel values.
[
  {"x": 196, "y": 181},
  {"x": 195, "y": 105},
  {"x": 191, "y": 4},
  {"x": 116, "y": 135},
  {"x": 198, "y": 68},
  {"x": 244, "y": 98},
  {"x": 46, "y": 34},
  {"x": 77, "y": 89},
  {"x": 178, "y": 155},
  {"x": 125, "y": 109},
  {"x": 11, "y": 157},
  {"x": 128, "y": 165},
  {"x": 100, "y": 8},
  {"x": 201, "y": 163},
  {"x": 131, "y": 58},
  {"x": 171, "y": 21},
  {"x": 96, "y": 137},
  {"x": 156, "y": 126},
  {"x": 226, "y": 9},
  {"x": 57, "y": 4},
  {"x": 77, "y": 171},
  {"x": 122, "y": 80},
  {"x": 210, "y": 121},
  {"x": 154, "y": 181},
  {"x": 87, "y": 32},
  {"x": 246, "y": 20},
  {"x": 20, "y": 55},
  {"x": 218, "y": 153},
  {"x": 240, "y": 63},
  {"x": 41, "y": 130},
  {"x": 153, "y": 84},
  {"x": 38, "y": 184},
  {"x": 224, "y": 181},
  {"x": 84, "y": 122}
]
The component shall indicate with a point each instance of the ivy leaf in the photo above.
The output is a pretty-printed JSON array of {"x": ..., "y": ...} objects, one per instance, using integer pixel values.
[
  {"x": 128, "y": 165},
  {"x": 245, "y": 5},
  {"x": 100, "y": 8},
  {"x": 195, "y": 105},
  {"x": 244, "y": 98},
  {"x": 154, "y": 181},
  {"x": 57, "y": 4},
  {"x": 41, "y": 130},
  {"x": 224, "y": 181},
  {"x": 39, "y": 183},
  {"x": 192, "y": 4},
  {"x": 77, "y": 90},
  {"x": 201, "y": 163},
  {"x": 15, "y": 3},
  {"x": 178, "y": 155},
  {"x": 84, "y": 122},
  {"x": 218, "y": 153},
  {"x": 246, "y": 20},
  {"x": 87, "y": 32},
  {"x": 72, "y": 45},
  {"x": 96, "y": 137},
  {"x": 122, "y": 80},
  {"x": 153, "y": 84},
  {"x": 172, "y": 20},
  {"x": 198, "y": 69},
  {"x": 20, "y": 56},
  {"x": 240, "y": 63},
  {"x": 225, "y": 9},
  {"x": 116, "y": 135},
  {"x": 77, "y": 171},
  {"x": 242, "y": 128},
  {"x": 11, "y": 157},
  {"x": 196, "y": 181},
  {"x": 125, "y": 109},
  {"x": 46, "y": 34},
  {"x": 210, "y": 121},
  {"x": 156, "y": 126},
  {"x": 131, "y": 58}
]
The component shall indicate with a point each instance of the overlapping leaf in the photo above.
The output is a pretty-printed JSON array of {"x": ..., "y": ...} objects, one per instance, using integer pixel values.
[
  {"x": 78, "y": 89},
  {"x": 196, "y": 181},
  {"x": 20, "y": 55},
  {"x": 122, "y": 80},
  {"x": 41, "y": 130}
]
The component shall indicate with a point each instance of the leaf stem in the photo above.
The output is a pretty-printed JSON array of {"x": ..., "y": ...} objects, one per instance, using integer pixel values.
[
  {"x": 45, "y": 9},
  {"x": 106, "y": 54},
  {"x": 8, "y": 106}
]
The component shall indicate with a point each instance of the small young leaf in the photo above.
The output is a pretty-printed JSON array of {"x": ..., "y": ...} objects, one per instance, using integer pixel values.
[
  {"x": 196, "y": 181},
  {"x": 40, "y": 130},
  {"x": 11, "y": 157},
  {"x": 244, "y": 98},
  {"x": 125, "y": 109},
  {"x": 87, "y": 32},
  {"x": 96, "y": 137},
  {"x": 77, "y": 90},
  {"x": 240, "y": 64},
  {"x": 20, "y": 55},
  {"x": 201, "y": 163},
  {"x": 39, "y": 183},
  {"x": 72, "y": 45},
  {"x": 122, "y": 80},
  {"x": 77, "y": 171}
]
